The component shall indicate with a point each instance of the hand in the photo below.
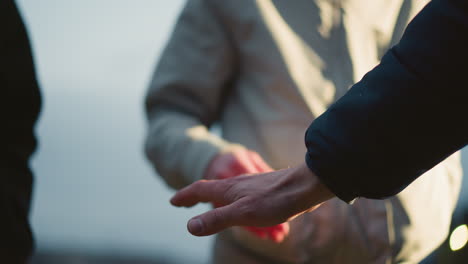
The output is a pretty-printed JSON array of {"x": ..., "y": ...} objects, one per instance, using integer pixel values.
[
  {"x": 266, "y": 199},
  {"x": 234, "y": 163},
  {"x": 243, "y": 161}
]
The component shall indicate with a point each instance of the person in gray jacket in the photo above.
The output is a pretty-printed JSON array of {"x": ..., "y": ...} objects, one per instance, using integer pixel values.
[{"x": 264, "y": 70}]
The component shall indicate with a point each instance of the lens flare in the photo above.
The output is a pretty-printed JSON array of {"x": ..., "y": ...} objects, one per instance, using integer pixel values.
[{"x": 459, "y": 237}]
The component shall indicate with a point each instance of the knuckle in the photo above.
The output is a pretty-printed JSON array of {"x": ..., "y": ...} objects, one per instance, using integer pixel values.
[
  {"x": 230, "y": 189},
  {"x": 228, "y": 195},
  {"x": 218, "y": 218},
  {"x": 217, "y": 187}
]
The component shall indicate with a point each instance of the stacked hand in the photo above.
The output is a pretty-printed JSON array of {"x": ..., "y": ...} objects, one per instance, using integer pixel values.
[
  {"x": 236, "y": 163},
  {"x": 261, "y": 200}
]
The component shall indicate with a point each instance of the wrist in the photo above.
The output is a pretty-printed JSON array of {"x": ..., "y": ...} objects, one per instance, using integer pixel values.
[{"x": 314, "y": 191}]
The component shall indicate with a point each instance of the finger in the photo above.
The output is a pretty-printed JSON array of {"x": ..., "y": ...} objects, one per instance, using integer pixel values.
[
  {"x": 279, "y": 232},
  {"x": 201, "y": 191},
  {"x": 213, "y": 221},
  {"x": 259, "y": 163},
  {"x": 276, "y": 236}
]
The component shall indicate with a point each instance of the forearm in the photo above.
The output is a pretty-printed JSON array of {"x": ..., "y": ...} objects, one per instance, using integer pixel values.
[
  {"x": 186, "y": 94},
  {"x": 404, "y": 117}
]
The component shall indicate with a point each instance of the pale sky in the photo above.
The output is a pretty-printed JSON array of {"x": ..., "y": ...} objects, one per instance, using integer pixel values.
[{"x": 94, "y": 190}]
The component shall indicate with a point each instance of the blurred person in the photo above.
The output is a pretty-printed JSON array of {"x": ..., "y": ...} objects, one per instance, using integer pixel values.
[
  {"x": 264, "y": 70},
  {"x": 19, "y": 111},
  {"x": 394, "y": 120}
]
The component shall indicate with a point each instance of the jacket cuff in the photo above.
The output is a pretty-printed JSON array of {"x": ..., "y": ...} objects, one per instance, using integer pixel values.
[{"x": 337, "y": 188}]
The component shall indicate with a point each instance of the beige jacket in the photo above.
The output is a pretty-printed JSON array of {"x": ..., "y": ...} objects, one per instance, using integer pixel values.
[{"x": 263, "y": 70}]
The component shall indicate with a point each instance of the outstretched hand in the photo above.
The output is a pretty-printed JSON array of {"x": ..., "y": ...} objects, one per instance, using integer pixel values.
[
  {"x": 264, "y": 200},
  {"x": 243, "y": 161}
]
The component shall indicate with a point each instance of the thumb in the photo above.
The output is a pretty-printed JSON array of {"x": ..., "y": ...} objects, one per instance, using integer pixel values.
[{"x": 212, "y": 221}]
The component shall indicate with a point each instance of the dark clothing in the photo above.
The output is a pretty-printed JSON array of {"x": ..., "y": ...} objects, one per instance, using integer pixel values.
[
  {"x": 19, "y": 108},
  {"x": 405, "y": 116}
]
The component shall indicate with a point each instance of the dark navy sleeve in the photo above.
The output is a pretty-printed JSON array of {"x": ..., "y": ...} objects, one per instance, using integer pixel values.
[{"x": 404, "y": 117}]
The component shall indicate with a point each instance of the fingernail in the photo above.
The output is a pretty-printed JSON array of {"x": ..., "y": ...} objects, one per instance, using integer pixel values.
[{"x": 195, "y": 226}]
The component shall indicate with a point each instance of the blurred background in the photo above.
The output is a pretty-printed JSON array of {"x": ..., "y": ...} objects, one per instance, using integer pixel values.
[{"x": 96, "y": 199}]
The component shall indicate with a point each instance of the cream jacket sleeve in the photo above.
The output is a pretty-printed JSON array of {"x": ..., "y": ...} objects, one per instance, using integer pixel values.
[
  {"x": 280, "y": 68},
  {"x": 186, "y": 94}
]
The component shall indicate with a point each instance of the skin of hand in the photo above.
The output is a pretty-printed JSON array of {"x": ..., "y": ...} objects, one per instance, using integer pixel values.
[
  {"x": 243, "y": 161},
  {"x": 266, "y": 199}
]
